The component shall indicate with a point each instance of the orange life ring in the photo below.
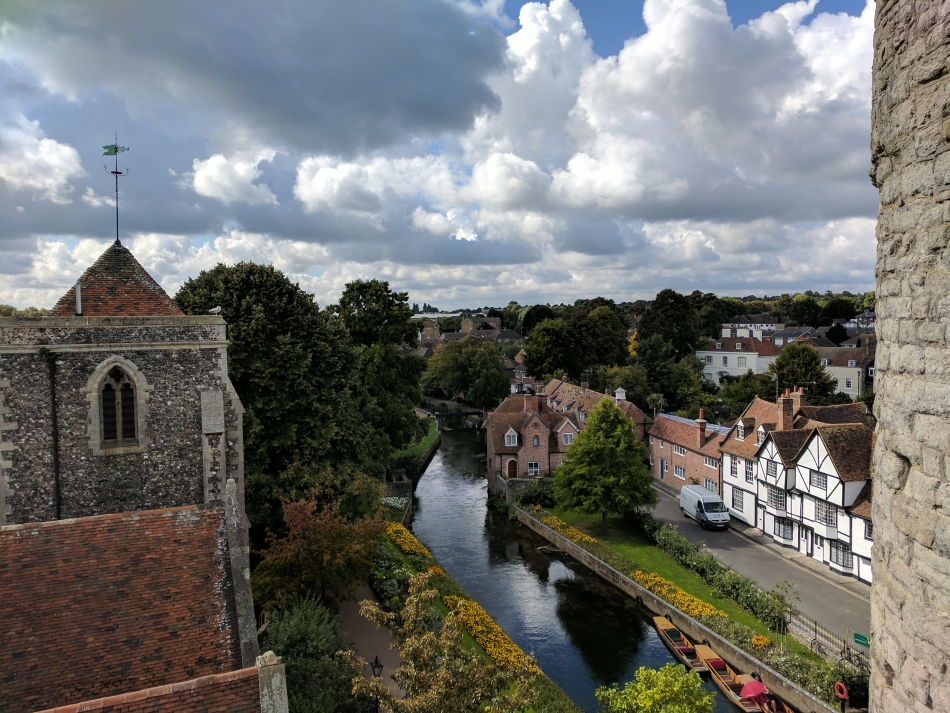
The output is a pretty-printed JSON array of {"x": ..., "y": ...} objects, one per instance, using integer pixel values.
[{"x": 841, "y": 690}]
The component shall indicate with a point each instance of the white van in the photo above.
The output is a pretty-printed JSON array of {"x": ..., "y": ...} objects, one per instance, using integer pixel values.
[{"x": 704, "y": 506}]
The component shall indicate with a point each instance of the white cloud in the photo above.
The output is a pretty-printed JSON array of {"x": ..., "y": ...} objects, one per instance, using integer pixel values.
[
  {"x": 91, "y": 198},
  {"x": 232, "y": 179},
  {"x": 29, "y": 161}
]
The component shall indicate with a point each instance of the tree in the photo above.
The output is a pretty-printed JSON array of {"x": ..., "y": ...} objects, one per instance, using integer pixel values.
[
  {"x": 322, "y": 551},
  {"x": 292, "y": 365},
  {"x": 548, "y": 350},
  {"x": 307, "y": 637},
  {"x": 632, "y": 378},
  {"x": 655, "y": 355},
  {"x": 837, "y": 333},
  {"x": 690, "y": 394},
  {"x": 838, "y": 307},
  {"x": 531, "y": 316},
  {"x": 738, "y": 392},
  {"x": 605, "y": 469},
  {"x": 804, "y": 310},
  {"x": 599, "y": 337},
  {"x": 436, "y": 672},
  {"x": 670, "y": 689},
  {"x": 471, "y": 367},
  {"x": 798, "y": 364},
  {"x": 671, "y": 317},
  {"x": 374, "y": 314},
  {"x": 388, "y": 392}
]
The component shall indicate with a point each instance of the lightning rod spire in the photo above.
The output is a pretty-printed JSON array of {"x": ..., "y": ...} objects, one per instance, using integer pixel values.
[{"x": 115, "y": 150}]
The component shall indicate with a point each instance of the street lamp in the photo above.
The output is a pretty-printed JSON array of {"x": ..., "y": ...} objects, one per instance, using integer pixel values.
[{"x": 377, "y": 667}]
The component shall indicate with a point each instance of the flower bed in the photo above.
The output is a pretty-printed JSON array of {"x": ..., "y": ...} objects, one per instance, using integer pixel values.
[
  {"x": 491, "y": 637},
  {"x": 570, "y": 532},
  {"x": 669, "y": 592},
  {"x": 406, "y": 541}
]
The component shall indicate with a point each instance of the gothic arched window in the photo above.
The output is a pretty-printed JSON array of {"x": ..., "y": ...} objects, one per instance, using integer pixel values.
[{"x": 117, "y": 400}]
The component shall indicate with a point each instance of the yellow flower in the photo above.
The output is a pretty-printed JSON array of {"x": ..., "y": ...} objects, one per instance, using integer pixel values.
[
  {"x": 669, "y": 592},
  {"x": 760, "y": 642},
  {"x": 406, "y": 541},
  {"x": 491, "y": 637}
]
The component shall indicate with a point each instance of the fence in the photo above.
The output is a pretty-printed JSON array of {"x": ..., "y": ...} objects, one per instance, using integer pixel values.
[{"x": 827, "y": 644}]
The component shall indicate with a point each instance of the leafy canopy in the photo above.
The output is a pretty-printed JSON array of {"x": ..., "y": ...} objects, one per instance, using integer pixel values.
[
  {"x": 605, "y": 469},
  {"x": 472, "y": 368},
  {"x": 670, "y": 689},
  {"x": 798, "y": 364}
]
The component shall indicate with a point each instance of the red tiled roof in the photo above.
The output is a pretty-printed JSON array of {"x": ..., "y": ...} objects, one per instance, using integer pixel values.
[
  {"x": 686, "y": 435},
  {"x": 511, "y": 413},
  {"x": 749, "y": 344},
  {"x": 789, "y": 443},
  {"x": 232, "y": 692},
  {"x": 116, "y": 285},
  {"x": 574, "y": 397},
  {"x": 108, "y": 604}
]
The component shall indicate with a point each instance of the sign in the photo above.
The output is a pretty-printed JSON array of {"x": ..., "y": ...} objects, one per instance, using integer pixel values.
[{"x": 862, "y": 640}]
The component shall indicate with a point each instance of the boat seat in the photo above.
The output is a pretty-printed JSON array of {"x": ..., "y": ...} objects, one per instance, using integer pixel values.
[{"x": 674, "y": 634}]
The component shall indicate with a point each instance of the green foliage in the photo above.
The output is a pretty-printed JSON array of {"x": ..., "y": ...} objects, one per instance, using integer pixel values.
[
  {"x": 471, "y": 367},
  {"x": 374, "y": 314},
  {"x": 689, "y": 395},
  {"x": 798, "y": 364},
  {"x": 11, "y": 311},
  {"x": 632, "y": 378},
  {"x": 837, "y": 333},
  {"x": 804, "y": 310},
  {"x": 548, "y": 349},
  {"x": 292, "y": 366},
  {"x": 532, "y": 316},
  {"x": 670, "y": 689},
  {"x": 838, "y": 307},
  {"x": 671, "y": 316},
  {"x": 388, "y": 392},
  {"x": 307, "y": 637},
  {"x": 738, "y": 393},
  {"x": 540, "y": 492},
  {"x": 655, "y": 357},
  {"x": 605, "y": 469},
  {"x": 599, "y": 337}
]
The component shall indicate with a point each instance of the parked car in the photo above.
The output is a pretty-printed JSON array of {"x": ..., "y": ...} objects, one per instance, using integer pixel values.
[{"x": 704, "y": 506}]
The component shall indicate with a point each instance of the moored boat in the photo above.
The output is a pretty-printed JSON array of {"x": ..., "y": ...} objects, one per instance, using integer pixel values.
[
  {"x": 678, "y": 644},
  {"x": 726, "y": 679},
  {"x": 773, "y": 704}
]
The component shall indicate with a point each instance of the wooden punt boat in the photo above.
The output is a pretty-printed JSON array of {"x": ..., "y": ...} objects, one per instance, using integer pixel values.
[
  {"x": 776, "y": 703},
  {"x": 726, "y": 679},
  {"x": 678, "y": 644}
]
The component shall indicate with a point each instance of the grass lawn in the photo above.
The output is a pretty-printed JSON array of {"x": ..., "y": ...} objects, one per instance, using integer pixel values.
[
  {"x": 631, "y": 544},
  {"x": 419, "y": 448}
]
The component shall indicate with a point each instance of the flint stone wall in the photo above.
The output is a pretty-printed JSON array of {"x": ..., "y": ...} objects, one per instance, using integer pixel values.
[
  {"x": 910, "y": 145},
  {"x": 179, "y": 459}
]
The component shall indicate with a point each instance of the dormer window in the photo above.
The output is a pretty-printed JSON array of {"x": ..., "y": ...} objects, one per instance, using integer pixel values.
[
  {"x": 759, "y": 437},
  {"x": 852, "y": 363},
  {"x": 511, "y": 438},
  {"x": 740, "y": 432},
  {"x": 738, "y": 346},
  {"x": 718, "y": 345},
  {"x": 824, "y": 362}
]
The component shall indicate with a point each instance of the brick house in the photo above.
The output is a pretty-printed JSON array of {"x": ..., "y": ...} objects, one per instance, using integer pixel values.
[
  {"x": 684, "y": 451},
  {"x": 124, "y": 564},
  {"x": 564, "y": 397}
]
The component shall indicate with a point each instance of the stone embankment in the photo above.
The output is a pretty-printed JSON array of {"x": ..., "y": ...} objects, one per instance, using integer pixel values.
[{"x": 795, "y": 695}]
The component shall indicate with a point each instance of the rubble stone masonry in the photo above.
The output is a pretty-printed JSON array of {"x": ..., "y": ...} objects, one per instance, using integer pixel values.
[{"x": 910, "y": 146}]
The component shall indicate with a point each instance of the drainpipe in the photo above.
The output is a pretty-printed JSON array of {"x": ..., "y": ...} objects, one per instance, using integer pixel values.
[{"x": 54, "y": 419}]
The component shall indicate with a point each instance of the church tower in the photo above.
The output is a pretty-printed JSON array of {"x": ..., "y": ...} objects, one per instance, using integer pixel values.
[{"x": 118, "y": 401}]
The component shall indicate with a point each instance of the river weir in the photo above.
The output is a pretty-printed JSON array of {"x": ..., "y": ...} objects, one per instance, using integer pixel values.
[{"x": 583, "y": 632}]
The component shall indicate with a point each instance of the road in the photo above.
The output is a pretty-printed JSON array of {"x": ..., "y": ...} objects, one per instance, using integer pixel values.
[{"x": 840, "y": 604}]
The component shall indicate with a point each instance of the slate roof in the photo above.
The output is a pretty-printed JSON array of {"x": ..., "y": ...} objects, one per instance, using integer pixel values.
[
  {"x": 232, "y": 692},
  {"x": 684, "y": 432},
  {"x": 840, "y": 356},
  {"x": 749, "y": 345},
  {"x": 104, "y": 605},
  {"x": 116, "y": 285}
]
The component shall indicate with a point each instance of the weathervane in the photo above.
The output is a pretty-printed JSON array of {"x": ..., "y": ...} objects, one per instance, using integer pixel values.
[{"x": 115, "y": 150}]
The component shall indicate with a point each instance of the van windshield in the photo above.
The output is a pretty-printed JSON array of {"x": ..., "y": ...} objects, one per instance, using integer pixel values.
[{"x": 714, "y": 507}]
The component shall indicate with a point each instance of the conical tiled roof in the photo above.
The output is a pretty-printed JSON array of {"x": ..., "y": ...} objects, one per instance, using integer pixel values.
[{"x": 117, "y": 286}]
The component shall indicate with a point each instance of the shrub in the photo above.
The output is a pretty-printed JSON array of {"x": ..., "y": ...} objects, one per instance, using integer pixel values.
[
  {"x": 306, "y": 635},
  {"x": 540, "y": 492}
]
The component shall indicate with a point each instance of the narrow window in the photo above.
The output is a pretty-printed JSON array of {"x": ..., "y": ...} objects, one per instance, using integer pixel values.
[
  {"x": 117, "y": 397},
  {"x": 535, "y": 441}
]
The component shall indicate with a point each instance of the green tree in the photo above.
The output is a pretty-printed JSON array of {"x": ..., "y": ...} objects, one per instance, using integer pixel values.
[
  {"x": 690, "y": 394},
  {"x": 605, "y": 469},
  {"x": 837, "y": 307},
  {"x": 670, "y": 689},
  {"x": 307, "y": 637},
  {"x": 798, "y": 364},
  {"x": 436, "y": 671},
  {"x": 655, "y": 355},
  {"x": 737, "y": 393},
  {"x": 804, "y": 310},
  {"x": 671, "y": 316},
  {"x": 599, "y": 337},
  {"x": 632, "y": 378},
  {"x": 471, "y": 367},
  {"x": 548, "y": 349},
  {"x": 374, "y": 314},
  {"x": 291, "y": 363},
  {"x": 837, "y": 333},
  {"x": 534, "y": 315}
]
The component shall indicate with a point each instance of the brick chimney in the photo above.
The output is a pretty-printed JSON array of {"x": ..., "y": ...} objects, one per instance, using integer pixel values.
[
  {"x": 786, "y": 411},
  {"x": 701, "y": 429},
  {"x": 531, "y": 403},
  {"x": 798, "y": 398}
]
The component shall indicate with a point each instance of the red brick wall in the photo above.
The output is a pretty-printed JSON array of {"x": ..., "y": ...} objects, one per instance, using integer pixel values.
[
  {"x": 694, "y": 466},
  {"x": 113, "y": 603},
  {"x": 234, "y": 692}
]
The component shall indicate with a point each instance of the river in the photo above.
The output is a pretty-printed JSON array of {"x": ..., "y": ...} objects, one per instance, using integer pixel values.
[{"x": 583, "y": 632}]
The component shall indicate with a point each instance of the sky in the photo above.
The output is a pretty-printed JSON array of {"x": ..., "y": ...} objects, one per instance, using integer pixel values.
[{"x": 469, "y": 152}]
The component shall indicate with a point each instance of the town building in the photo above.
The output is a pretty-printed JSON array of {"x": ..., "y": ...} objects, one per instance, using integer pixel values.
[
  {"x": 851, "y": 368},
  {"x": 124, "y": 563},
  {"x": 684, "y": 451},
  {"x": 735, "y": 356}
]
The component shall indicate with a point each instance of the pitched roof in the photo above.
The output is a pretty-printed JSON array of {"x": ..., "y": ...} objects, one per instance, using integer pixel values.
[
  {"x": 856, "y": 412},
  {"x": 511, "y": 413},
  {"x": 747, "y": 345},
  {"x": 849, "y": 446},
  {"x": 571, "y": 397},
  {"x": 788, "y": 443},
  {"x": 759, "y": 411},
  {"x": 231, "y": 692},
  {"x": 102, "y": 605},
  {"x": 684, "y": 432},
  {"x": 862, "y": 504},
  {"x": 116, "y": 285},
  {"x": 840, "y": 356}
]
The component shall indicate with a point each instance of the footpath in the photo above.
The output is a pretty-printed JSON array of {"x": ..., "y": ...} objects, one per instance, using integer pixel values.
[{"x": 368, "y": 639}]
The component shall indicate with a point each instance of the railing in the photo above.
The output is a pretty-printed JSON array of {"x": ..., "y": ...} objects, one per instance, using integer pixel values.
[{"x": 827, "y": 644}]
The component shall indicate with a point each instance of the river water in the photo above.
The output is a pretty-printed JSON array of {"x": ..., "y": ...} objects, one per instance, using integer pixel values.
[{"x": 583, "y": 632}]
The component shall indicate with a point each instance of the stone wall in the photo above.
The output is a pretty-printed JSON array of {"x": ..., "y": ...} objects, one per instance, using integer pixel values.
[
  {"x": 53, "y": 463},
  {"x": 910, "y": 145}
]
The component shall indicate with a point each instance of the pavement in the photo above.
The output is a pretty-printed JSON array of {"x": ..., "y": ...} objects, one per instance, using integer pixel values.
[
  {"x": 368, "y": 639},
  {"x": 840, "y": 604}
]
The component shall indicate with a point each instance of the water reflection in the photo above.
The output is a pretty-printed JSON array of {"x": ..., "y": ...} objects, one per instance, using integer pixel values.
[{"x": 583, "y": 632}]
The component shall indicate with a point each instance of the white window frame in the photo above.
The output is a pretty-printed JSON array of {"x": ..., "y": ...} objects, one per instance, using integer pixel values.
[
  {"x": 782, "y": 527},
  {"x": 847, "y": 384},
  {"x": 824, "y": 362},
  {"x": 826, "y": 513},
  {"x": 736, "y": 499},
  {"x": 817, "y": 479},
  {"x": 534, "y": 468},
  {"x": 740, "y": 432},
  {"x": 567, "y": 438},
  {"x": 711, "y": 485},
  {"x": 840, "y": 554},
  {"x": 852, "y": 363},
  {"x": 679, "y": 471},
  {"x": 771, "y": 469},
  {"x": 725, "y": 361},
  {"x": 708, "y": 358},
  {"x": 738, "y": 346},
  {"x": 749, "y": 471},
  {"x": 511, "y": 439},
  {"x": 718, "y": 345},
  {"x": 741, "y": 361},
  {"x": 710, "y": 462},
  {"x": 868, "y": 530},
  {"x": 733, "y": 467},
  {"x": 679, "y": 450},
  {"x": 777, "y": 498}
]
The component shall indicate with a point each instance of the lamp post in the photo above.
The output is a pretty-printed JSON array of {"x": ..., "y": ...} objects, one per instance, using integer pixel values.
[{"x": 377, "y": 667}]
